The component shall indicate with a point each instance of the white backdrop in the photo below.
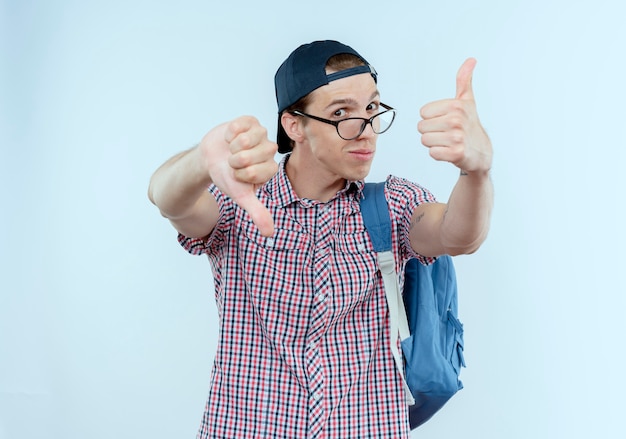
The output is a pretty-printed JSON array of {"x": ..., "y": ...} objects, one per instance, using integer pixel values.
[{"x": 107, "y": 328}]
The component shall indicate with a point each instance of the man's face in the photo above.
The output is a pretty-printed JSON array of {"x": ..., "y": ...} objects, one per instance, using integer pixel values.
[{"x": 334, "y": 157}]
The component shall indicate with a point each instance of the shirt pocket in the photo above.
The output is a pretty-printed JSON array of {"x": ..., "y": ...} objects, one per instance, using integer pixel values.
[
  {"x": 273, "y": 266},
  {"x": 355, "y": 266}
]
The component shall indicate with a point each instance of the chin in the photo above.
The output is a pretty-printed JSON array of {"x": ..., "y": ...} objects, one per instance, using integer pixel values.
[{"x": 359, "y": 174}]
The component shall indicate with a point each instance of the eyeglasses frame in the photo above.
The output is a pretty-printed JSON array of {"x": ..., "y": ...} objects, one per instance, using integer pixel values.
[{"x": 366, "y": 122}]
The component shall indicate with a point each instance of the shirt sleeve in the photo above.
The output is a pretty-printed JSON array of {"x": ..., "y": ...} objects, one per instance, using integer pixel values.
[
  {"x": 215, "y": 240},
  {"x": 403, "y": 197}
]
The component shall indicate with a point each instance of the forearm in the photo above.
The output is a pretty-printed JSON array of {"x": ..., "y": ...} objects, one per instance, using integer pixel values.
[
  {"x": 179, "y": 184},
  {"x": 465, "y": 223}
]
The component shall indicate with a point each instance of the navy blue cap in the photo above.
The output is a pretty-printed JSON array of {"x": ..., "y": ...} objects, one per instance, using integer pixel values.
[{"x": 304, "y": 71}]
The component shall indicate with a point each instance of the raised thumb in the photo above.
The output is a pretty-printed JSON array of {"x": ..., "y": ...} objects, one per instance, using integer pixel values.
[{"x": 464, "y": 80}]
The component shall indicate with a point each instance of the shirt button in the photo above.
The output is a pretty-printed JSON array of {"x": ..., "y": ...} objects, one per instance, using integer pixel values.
[
  {"x": 317, "y": 396},
  {"x": 270, "y": 242}
]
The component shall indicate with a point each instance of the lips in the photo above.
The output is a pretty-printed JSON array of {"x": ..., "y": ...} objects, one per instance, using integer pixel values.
[{"x": 362, "y": 153}]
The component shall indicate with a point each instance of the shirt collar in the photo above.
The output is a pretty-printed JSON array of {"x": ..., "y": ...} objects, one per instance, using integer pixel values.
[{"x": 280, "y": 192}]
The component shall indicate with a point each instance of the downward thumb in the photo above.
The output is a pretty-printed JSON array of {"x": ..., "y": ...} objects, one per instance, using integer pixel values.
[
  {"x": 464, "y": 80},
  {"x": 259, "y": 214}
]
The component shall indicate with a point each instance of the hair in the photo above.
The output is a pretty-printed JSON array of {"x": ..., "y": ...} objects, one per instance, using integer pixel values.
[{"x": 335, "y": 63}]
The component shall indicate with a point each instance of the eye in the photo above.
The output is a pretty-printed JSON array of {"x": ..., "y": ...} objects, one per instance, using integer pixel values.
[
  {"x": 340, "y": 113},
  {"x": 373, "y": 106}
]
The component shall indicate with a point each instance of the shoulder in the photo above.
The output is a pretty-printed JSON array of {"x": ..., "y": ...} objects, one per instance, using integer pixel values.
[
  {"x": 403, "y": 197},
  {"x": 403, "y": 191}
]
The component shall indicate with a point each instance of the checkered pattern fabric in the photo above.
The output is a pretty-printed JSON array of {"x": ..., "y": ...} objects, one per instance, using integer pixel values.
[{"x": 303, "y": 341}]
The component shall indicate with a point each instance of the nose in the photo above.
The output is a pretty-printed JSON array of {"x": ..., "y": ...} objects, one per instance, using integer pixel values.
[{"x": 368, "y": 131}]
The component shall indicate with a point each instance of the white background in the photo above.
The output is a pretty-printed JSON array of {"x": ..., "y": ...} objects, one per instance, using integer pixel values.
[{"x": 108, "y": 328}]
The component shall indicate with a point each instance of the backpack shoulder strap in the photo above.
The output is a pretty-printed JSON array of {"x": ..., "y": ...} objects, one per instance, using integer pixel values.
[{"x": 375, "y": 213}]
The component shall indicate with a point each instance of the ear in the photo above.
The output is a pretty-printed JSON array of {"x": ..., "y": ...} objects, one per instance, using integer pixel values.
[{"x": 292, "y": 126}]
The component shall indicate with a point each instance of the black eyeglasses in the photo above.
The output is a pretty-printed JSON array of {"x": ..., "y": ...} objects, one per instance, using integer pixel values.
[{"x": 352, "y": 127}]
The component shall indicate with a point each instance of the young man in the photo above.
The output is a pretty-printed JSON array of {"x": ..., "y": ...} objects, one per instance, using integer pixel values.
[{"x": 303, "y": 348}]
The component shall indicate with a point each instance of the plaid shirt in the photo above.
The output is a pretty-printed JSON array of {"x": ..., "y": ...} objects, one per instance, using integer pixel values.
[{"x": 303, "y": 346}]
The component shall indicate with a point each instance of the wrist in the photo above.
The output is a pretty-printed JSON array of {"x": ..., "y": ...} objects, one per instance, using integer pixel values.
[{"x": 475, "y": 175}]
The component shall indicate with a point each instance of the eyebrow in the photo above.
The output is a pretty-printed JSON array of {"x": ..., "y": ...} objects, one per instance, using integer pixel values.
[{"x": 350, "y": 101}]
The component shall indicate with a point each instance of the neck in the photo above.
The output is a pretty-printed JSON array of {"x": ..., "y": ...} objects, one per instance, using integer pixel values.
[{"x": 308, "y": 182}]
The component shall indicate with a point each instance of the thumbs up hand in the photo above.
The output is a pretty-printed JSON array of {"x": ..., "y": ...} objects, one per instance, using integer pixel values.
[{"x": 451, "y": 129}]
